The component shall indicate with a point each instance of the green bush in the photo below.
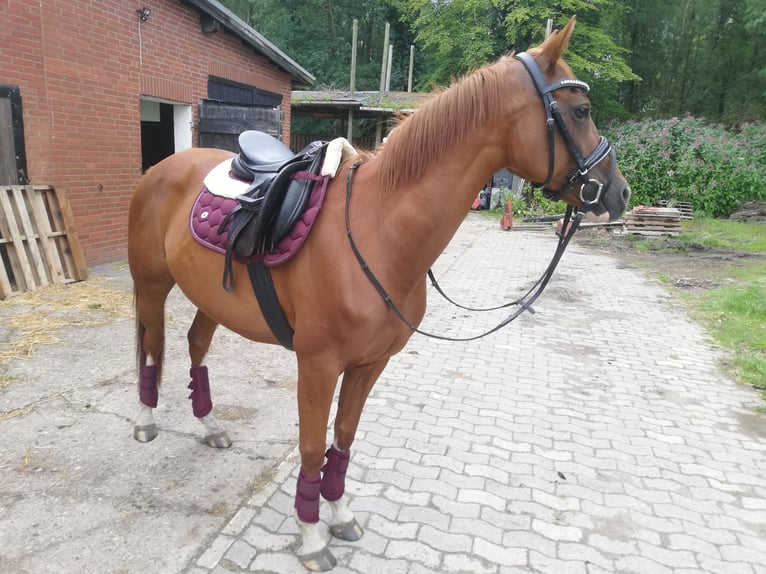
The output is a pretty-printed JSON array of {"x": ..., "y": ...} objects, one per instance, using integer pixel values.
[
  {"x": 687, "y": 159},
  {"x": 533, "y": 203}
]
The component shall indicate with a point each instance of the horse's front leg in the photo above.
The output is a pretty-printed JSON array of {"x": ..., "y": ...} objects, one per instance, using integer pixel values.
[
  {"x": 356, "y": 386},
  {"x": 316, "y": 384},
  {"x": 200, "y": 336}
]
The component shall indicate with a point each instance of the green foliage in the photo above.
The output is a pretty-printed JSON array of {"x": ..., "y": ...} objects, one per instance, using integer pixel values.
[
  {"x": 700, "y": 56},
  {"x": 688, "y": 159},
  {"x": 532, "y": 202},
  {"x": 454, "y": 37},
  {"x": 318, "y": 34},
  {"x": 460, "y": 35},
  {"x": 643, "y": 58}
]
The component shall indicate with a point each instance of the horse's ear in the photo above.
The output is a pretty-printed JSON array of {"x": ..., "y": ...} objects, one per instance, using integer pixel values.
[{"x": 555, "y": 45}]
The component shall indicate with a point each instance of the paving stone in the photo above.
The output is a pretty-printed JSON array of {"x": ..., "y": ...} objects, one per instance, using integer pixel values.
[
  {"x": 215, "y": 552},
  {"x": 393, "y": 529},
  {"x": 412, "y": 550},
  {"x": 264, "y": 540},
  {"x": 240, "y": 553},
  {"x": 542, "y": 563},
  {"x": 499, "y": 554},
  {"x": 464, "y": 563},
  {"x": 444, "y": 541}
]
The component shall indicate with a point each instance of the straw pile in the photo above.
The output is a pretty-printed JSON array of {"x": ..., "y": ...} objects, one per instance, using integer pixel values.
[{"x": 33, "y": 318}]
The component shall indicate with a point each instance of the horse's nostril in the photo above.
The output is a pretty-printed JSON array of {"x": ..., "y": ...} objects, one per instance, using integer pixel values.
[{"x": 626, "y": 193}]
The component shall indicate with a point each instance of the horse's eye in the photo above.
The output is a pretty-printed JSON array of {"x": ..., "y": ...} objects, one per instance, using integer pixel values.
[{"x": 582, "y": 112}]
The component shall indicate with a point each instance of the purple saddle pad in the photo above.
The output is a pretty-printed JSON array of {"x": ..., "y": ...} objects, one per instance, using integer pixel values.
[{"x": 209, "y": 211}]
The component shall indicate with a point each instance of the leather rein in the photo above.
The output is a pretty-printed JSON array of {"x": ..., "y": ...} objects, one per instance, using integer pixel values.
[
  {"x": 590, "y": 194},
  {"x": 571, "y": 223}
]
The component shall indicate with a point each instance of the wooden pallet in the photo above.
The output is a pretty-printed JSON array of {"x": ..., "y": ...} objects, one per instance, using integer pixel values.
[
  {"x": 653, "y": 221},
  {"x": 684, "y": 207},
  {"x": 38, "y": 243}
]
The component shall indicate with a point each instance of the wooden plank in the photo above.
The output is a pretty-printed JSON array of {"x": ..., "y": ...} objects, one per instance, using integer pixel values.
[
  {"x": 5, "y": 283},
  {"x": 75, "y": 249},
  {"x": 10, "y": 258},
  {"x": 46, "y": 236},
  {"x": 57, "y": 219},
  {"x": 29, "y": 232},
  {"x": 16, "y": 252}
]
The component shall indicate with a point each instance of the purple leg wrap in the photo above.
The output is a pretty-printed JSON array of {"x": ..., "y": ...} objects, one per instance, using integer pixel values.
[
  {"x": 147, "y": 386},
  {"x": 202, "y": 404},
  {"x": 307, "y": 498},
  {"x": 334, "y": 473}
]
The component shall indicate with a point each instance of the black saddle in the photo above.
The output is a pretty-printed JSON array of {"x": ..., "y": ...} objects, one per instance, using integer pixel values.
[
  {"x": 275, "y": 199},
  {"x": 261, "y": 153}
]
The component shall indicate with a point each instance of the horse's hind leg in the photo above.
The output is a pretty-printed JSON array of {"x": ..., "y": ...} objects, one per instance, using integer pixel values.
[
  {"x": 200, "y": 336},
  {"x": 150, "y": 341}
]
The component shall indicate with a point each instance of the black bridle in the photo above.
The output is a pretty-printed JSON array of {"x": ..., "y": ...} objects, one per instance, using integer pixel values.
[{"x": 590, "y": 189}]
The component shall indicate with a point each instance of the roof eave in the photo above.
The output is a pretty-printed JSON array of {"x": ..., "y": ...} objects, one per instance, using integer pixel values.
[{"x": 252, "y": 38}]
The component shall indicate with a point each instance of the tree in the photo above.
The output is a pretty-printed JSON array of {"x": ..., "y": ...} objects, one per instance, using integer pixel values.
[
  {"x": 318, "y": 35},
  {"x": 702, "y": 57},
  {"x": 458, "y": 35}
]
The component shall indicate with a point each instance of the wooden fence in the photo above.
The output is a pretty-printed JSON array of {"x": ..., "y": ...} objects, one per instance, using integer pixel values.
[{"x": 38, "y": 244}]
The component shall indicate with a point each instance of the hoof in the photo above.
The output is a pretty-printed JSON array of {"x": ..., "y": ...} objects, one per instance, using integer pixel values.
[
  {"x": 218, "y": 440},
  {"x": 348, "y": 531},
  {"x": 145, "y": 433},
  {"x": 319, "y": 561}
]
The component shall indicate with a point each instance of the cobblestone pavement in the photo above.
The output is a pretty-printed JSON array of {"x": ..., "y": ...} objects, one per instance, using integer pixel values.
[{"x": 597, "y": 435}]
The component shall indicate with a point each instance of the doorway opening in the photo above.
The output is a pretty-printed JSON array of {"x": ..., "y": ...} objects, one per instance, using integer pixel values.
[{"x": 166, "y": 127}]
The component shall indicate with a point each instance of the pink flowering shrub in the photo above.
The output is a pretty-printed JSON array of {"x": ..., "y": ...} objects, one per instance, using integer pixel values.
[{"x": 716, "y": 168}]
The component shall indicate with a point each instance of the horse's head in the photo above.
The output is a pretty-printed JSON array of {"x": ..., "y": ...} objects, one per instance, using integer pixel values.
[{"x": 581, "y": 167}]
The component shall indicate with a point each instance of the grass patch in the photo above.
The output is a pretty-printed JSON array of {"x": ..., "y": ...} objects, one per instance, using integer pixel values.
[
  {"x": 725, "y": 234},
  {"x": 736, "y": 316}
]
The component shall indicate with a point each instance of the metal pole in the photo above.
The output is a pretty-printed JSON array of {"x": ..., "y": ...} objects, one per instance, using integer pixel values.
[{"x": 388, "y": 67}]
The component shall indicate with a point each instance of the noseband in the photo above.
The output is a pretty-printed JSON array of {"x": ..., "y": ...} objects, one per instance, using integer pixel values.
[{"x": 590, "y": 189}]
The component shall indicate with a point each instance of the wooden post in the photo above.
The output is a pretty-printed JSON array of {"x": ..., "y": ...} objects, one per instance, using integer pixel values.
[
  {"x": 384, "y": 63},
  {"x": 352, "y": 86},
  {"x": 412, "y": 63}
]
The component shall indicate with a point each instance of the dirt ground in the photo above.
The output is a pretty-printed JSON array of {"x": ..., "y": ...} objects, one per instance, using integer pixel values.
[{"x": 683, "y": 266}]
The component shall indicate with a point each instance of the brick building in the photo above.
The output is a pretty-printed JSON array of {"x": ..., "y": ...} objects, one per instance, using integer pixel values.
[{"x": 92, "y": 93}]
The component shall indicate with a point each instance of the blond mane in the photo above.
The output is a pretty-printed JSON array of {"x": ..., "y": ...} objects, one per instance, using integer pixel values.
[{"x": 440, "y": 124}]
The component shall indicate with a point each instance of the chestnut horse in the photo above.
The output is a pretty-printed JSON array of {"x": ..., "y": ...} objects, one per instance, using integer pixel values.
[{"x": 526, "y": 112}]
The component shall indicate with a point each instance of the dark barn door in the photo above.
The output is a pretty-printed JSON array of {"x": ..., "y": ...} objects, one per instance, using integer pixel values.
[
  {"x": 232, "y": 108},
  {"x": 13, "y": 162}
]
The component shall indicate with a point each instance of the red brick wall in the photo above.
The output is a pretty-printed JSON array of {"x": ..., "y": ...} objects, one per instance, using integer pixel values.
[{"x": 79, "y": 70}]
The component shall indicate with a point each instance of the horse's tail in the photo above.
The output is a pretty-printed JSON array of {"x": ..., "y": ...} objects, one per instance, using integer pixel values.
[{"x": 140, "y": 331}]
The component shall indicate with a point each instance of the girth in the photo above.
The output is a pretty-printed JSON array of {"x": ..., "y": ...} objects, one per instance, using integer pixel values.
[{"x": 266, "y": 212}]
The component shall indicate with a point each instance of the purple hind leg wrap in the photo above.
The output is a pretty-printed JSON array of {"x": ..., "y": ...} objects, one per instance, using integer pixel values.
[
  {"x": 334, "y": 473},
  {"x": 147, "y": 386},
  {"x": 202, "y": 404},
  {"x": 307, "y": 498}
]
